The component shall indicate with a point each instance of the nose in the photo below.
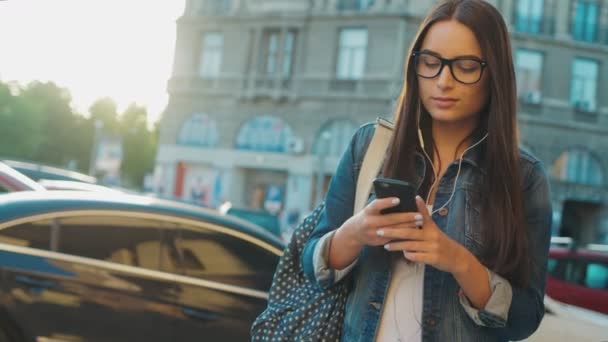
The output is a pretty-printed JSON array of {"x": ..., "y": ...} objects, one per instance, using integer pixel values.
[{"x": 445, "y": 80}]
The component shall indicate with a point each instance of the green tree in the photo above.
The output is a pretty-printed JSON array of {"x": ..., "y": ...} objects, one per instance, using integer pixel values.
[
  {"x": 104, "y": 110},
  {"x": 139, "y": 145},
  {"x": 20, "y": 126}
]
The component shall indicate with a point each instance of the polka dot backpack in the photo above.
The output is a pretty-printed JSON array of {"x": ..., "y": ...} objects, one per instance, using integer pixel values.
[{"x": 299, "y": 310}]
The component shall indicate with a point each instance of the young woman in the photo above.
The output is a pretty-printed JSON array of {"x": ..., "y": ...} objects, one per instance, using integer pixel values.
[{"x": 470, "y": 264}]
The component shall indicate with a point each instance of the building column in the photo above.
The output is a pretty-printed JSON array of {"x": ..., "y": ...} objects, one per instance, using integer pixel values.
[
  {"x": 252, "y": 75},
  {"x": 297, "y": 198},
  {"x": 506, "y": 8},
  {"x": 562, "y": 21},
  {"x": 332, "y": 6},
  {"x": 379, "y": 5}
]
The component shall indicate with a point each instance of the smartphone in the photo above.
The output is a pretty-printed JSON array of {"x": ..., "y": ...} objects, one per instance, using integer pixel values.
[{"x": 388, "y": 187}]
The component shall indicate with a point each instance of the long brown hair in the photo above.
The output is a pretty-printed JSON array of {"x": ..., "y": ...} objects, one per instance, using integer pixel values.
[{"x": 502, "y": 214}]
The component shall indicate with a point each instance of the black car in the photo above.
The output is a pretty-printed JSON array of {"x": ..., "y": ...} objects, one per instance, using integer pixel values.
[{"x": 110, "y": 267}]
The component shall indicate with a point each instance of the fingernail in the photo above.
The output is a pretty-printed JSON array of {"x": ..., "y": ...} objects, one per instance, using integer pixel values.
[
  {"x": 418, "y": 217},
  {"x": 419, "y": 223},
  {"x": 395, "y": 201},
  {"x": 380, "y": 232},
  {"x": 418, "y": 198},
  {"x": 387, "y": 246}
]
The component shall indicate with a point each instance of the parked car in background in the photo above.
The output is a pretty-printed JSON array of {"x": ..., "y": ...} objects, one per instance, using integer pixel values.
[
  {"x": 262, "y": 218},
  {"x": 51, "y": 184},
  {"x": 39, "y": 171},
  {"x": 579, "y": 277},
  {"x": 12, "y": 180},
  {"x": 91, "y": 266}
]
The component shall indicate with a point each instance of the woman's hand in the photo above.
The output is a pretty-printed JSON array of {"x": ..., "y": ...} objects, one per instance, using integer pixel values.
[
  {"x": 366, "y": 227},
  {"x": 428, "y": 245}
]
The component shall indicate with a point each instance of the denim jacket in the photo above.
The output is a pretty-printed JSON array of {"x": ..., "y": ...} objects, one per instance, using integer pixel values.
[{"x": 512, "y": 313}]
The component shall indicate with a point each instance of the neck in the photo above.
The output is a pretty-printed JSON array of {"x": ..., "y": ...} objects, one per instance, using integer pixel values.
[{"x": 448, "y": 137}]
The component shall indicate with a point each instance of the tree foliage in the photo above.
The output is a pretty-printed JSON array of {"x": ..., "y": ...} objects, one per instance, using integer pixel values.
[{"x": 38, "y": 123}]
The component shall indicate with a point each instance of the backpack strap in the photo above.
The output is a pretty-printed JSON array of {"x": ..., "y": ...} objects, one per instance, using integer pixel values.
[{"x": 372, "y": 161}]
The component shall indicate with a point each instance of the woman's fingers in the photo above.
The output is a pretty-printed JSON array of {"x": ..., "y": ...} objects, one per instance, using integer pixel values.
[{"x": 401, "y": 233}]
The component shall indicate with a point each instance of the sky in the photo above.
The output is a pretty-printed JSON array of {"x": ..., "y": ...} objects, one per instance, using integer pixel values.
[{"x": 122, "y": 49}]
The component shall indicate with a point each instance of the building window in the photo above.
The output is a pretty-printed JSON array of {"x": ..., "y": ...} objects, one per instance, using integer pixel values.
[
  {"x": 352, "y": 53},
  {"x": 199, "y": 130},
  {"x": 273, "y": 46},
  {"x": 354, "y": 5},
  {"x": 217, "y": 7},
  {"x": 272, "y": 51},
  {"x": 288, "y": 53},
  {"x": 585, "y": 21},
  {"x": 264, "y": 133},
  {"x": 529, "y": 16},
  {"x": 584, "y": 84},
  {"x": 334, "y": 137},
  {"x": 211, "y": 55},
  {"x": 578, "y": 166},
  {"x": 529, "y": 65}
]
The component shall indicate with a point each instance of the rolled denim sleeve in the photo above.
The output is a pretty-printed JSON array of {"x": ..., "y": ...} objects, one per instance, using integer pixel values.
[
  {"x": 496, "y": 311},
  {"x": 323, "y": 273},
  {"x": 339, "y": 204},
  {"x": 527, "y": 305}
]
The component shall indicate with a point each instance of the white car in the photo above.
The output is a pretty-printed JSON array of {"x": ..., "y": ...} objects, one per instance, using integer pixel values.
[{"x": 563, "y": 322}]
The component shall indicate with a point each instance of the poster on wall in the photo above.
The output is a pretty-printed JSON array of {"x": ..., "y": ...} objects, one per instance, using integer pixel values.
[{"x": 202, "y": 186}]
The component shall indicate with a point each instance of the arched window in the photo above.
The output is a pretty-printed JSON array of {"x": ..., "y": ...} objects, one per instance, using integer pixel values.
[
  {"x": 198, "y": 130},
  {"x": 578, "y": 166},
  {"x": 334, "y": 137},
  {"x": 264, "y": 133}
]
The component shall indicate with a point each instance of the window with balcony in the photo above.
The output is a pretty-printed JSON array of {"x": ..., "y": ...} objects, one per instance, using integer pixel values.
[
  {"x": 354, "y": 5},
  {"x": 273, "y": 63},
  {"x": 578, "y": 166},
  {"x": 211, "y": 55},
  {"x": 529, "y": 16},
  {"x": 583, "y": 93},
  {"x": 529, "y": 69},
  {"x": 351, "y": 54},
  {"x": 585, "y": 20}
]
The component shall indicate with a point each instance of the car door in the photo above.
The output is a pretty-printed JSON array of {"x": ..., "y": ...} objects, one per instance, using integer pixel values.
[
  {"x": 112, "y": 286},
  {"x": 225, "y": 277}
]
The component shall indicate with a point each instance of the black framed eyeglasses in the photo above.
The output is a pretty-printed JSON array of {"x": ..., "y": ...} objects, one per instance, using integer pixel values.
[{"x": 467, "y": 70}]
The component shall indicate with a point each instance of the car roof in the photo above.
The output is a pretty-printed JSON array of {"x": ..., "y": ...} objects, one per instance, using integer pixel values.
[
  {"x": 53, "y": 184},
  {"x": 18, "y": 181},
  {"x": 28, "y": 203},
  {"x": 41, "y": 171}
]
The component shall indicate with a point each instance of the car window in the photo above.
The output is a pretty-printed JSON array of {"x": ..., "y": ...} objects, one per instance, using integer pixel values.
[
  {"x": 35, "y": 234},
  {"x": 123, "y": 240},
  {"x": 597, "y": 276},
  {"x": 220, "y": 257}
]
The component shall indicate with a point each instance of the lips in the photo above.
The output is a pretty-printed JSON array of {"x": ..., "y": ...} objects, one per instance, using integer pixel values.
[{"x": 444, "y": 102}]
